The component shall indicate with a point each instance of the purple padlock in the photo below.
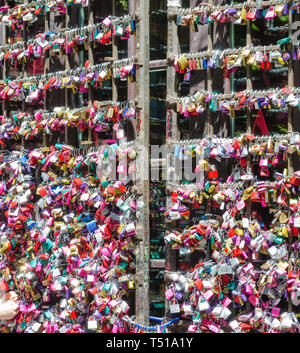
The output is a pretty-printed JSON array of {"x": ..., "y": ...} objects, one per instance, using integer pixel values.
[
  {"x": 178, "y": 295},
  {"x": 232, "y": 12},
  {"x": 258, "y": 14},
  {"x": 286, "y": 57},
  {"x": 285, "y": 11},
  {"x": 187, "y": 76},
  {"x": 208, "y": 98},
  {"x": 211, "y": 65}
]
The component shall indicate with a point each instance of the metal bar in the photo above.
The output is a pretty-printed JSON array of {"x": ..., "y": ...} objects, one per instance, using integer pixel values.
[
  {"x": 24, "y": 73},
  {"x": 200, "y": 8},
  {"x": 46, "y": 69},
  {"x": 85, "y": 29},
  {"x": 115, "y": 56},
  {"x": 290, "y": 157},
  {"x": 248, "y": 76},
  {"x": 228, "y": 51},
  {"x": 210, "y": 33},
  {"x": 291, "y": 86},
  {"x": 248, "y": 114},
  {"x": 131, "y": 45},
  {"x": 3, "y": 40},
  {"x": 195, "y": 187},
  {"x": 232, "y": 43},
  {"x": 172, "y": 131},
  {"x": 143, "y": 231},
  {"x": 67, "y": 67},
  {"x": 173, "y": 46},
  {"x": 209, "y": 121},
  {"x": 81, "y": 63},
  {"x": 77, "y": 70},
  {"x": 158, "y": 64},
  {"x": 221, "y": 96},
  {"x": 221, "y": 140},
  {"x": 91, "y": 63}
]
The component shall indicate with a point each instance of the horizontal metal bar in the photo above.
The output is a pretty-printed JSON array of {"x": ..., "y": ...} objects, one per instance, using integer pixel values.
[
  {"x": 157, "y": 64},
  {"x": 275, "y": 137},
  {"x": 208, "y": 8},
  {"x": 228, "y": 51},
  {"x": 195, "y": 187},
  {"x": 220, "y": 96},
  {"x": 110, "y": 65}
]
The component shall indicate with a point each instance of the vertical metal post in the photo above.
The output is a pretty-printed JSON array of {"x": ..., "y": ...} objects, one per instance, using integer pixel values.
[
  {"x": 81, "y": 63},
  {"x": 172, "y": 131},
  {"x": 24, "y": 72},
  {"x": 143, "y": 232},
  {"x": 131, "y": 89},
  {"x": 4, "y": 112},
  {"x": 210, "y": 127},
  {"x": 3, "y": 41},
  {"x": 210, "y": 32},
  {"x": 248, "y": 76},
  {"x": 248, "y": 113},
  {"x": 232, "y": 43},
  {"x": 67, "y": 67},
  {"x": 290, "y": 156},
  {"x": 173, "y": 48},
  {"x": 91, "y": 62},
  {"x": 46, "y": 69},
  {"x": 290, "y": 85},
  {"x": 115, "y": 57}
]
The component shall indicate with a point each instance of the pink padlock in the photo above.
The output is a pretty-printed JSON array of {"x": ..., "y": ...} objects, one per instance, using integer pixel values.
[
  {"x": 244, "y": 255},
  {"x": 270, "y": 14},
  {"x": 115, "y": 328},
  {"x": 263, "y": 163},
  {"x": 107, "y": 21},
  {"x": 23, "y": 308},
  {"x": 192, "y": 328},
  {"x": 208, "y": 295},
  {"x": 169, "y": 294},
  {"x": 50, "y": 221},
  {"x": 248, "y": 267},
  {"x": 105, "y": 252},
  {"x": 226, "y": 302},
  {"x": 132, "y": 205},
  {"x": 253, "y": 299},
  {"x": 248, "y": 289},
  {"x": 275, "y": 311},
  {"x": 214, "y": 327}
]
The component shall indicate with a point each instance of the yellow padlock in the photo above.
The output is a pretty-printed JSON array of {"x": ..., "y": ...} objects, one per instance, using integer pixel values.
[
  {"x": 211, "y": 189},
  {"x": 284, "y": 232},
  {"x": 121, "y": 227},
  {"x": 243, "y": 14},
  {"x": 239, "y": 231},
  {"x": 281, "y": 61},
  {"x": 246, "y": 196},
  {"x": 249, "y": 190},
  {"x": 278, "y": 9},
  {"x": 131, "y": 284},
  {"x": 182, "y": 62}
]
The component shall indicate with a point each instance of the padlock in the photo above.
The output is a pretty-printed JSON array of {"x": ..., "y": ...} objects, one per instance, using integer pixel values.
[{"x": 174, "y": 307}]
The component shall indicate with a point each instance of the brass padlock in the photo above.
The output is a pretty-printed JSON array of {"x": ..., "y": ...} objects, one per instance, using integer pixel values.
[{"x": 131, "y": 284}]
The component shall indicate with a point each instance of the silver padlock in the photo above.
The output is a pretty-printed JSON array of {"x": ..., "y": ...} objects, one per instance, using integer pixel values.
[{"x": 174, "y": 307}]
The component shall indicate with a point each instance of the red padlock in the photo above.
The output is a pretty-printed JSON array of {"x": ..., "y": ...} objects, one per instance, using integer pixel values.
[
  {"x": 174, "y": 196},
  {"x": 213, "y": 174},
  {"x": 199, "y": 284}
]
